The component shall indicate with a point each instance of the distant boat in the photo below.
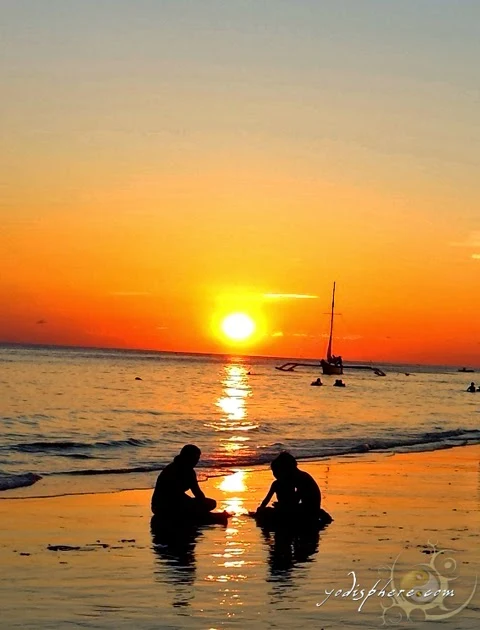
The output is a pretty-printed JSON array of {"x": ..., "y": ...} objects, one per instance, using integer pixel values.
[
  {"x": 333, "y": 364},
  {"x": 464, "y": 369}
]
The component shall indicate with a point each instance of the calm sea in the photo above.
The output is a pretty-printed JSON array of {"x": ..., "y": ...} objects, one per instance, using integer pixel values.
[{"x": 77, "y": 420}]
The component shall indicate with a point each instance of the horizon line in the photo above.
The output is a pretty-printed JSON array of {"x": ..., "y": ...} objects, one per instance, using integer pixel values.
[{"x": 204, "y": 354}]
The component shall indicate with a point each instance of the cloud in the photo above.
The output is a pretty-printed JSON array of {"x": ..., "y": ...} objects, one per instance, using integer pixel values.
[
  {"x": 476, "y": 256},
  {"x": 279, "y": 333},
  {"x": 326, "y": 336},
  {"x": 289, "y": 296},
  {"x": 472, "y": 240},
  {"x": 41, "y": 321}
]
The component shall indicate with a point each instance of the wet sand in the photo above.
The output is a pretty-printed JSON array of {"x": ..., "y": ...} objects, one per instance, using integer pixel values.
[{"x": 89, "y": 561}]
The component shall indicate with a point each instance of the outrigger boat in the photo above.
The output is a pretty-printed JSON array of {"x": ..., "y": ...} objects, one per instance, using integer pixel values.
[{"x": 332, "y": 365}]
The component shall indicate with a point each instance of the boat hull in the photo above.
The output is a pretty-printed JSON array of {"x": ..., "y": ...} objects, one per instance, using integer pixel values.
[{"x": 331, "y": 369}]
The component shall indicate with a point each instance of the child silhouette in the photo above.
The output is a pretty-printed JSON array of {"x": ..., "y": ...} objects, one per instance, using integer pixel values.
[
  {"x": 298, "y": 496},
  {"x": 283, "y": 488}
]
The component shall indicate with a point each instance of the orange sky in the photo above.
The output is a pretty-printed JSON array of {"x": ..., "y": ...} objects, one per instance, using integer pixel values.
[{"x": 162, "y": 170}]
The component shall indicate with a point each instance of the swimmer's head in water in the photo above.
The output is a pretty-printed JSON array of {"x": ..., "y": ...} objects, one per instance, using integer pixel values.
[{"x": 190, "y": 454}]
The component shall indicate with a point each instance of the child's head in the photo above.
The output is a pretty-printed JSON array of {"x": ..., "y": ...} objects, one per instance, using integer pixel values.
[
  {"x": 284, "y": 465},
  {"x": 189, "y": 455},
  {"x": 276, "y": 468}
]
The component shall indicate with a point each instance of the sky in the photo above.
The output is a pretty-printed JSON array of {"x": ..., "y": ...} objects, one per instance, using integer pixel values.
[{"x": 166, "y": 163}]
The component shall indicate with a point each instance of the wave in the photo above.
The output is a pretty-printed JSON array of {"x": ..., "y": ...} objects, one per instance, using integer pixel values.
[
  {"x": 432, "y": 440},
  {"x": 113, "y": 471},
  {"x": 69, "y": 445},
  {"x": 9, "y": 481},
  {"x": 307, "y": 449},
  {"x": 140, "y": 412}
]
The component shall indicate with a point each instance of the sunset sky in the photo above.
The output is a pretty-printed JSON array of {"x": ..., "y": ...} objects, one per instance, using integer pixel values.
[{"x": 166, "y": 163}]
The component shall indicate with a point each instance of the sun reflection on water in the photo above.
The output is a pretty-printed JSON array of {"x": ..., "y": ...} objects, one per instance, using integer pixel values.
[
  {"x": 235, "y": 559},
  {"x": 235, "y": 485},
  {"x": 231, "y": 559},
  {"x": 232, "y": 422},
  {"x": 234, "y": 482}
]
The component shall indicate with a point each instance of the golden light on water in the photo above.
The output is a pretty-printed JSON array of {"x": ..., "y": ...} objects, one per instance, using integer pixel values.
[
  {"x": 234, "y": 443},
  {"x": 234, "y": 505},
  {"x": 234, "y": 482},
  {"x": 236, "y": 390},
  {"x": 231, "y": 562},
  {"x": 233, "y": 405}
]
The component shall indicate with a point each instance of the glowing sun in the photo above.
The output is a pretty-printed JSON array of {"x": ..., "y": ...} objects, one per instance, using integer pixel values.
[{"x": 238, "y": 326}]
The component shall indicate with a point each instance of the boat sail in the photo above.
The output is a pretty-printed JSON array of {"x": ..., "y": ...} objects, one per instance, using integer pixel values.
[{"x": 333, "y": 364}]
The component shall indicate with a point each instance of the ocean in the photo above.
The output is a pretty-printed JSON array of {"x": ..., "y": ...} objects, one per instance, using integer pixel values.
[{"x": 82, "y": 420}]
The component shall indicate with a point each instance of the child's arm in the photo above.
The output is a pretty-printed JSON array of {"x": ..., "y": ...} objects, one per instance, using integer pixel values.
[
  {"x": 195, "y": 488},
  {"x": 267, "y": 499}
]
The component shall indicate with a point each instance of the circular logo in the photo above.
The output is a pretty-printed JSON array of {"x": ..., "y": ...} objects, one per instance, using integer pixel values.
[{"x": 424, "y": 592}]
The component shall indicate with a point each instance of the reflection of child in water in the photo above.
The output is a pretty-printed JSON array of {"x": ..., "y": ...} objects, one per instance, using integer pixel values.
[{"x": 283, "y": 488}]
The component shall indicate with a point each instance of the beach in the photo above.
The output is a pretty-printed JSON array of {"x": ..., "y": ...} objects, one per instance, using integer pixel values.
[
  {"x": 250, "y": 229},
  {"x": 89, "y": 560}
]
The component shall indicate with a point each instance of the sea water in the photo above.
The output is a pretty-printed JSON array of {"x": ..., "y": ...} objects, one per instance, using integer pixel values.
[{"x": 79, "y": 420}]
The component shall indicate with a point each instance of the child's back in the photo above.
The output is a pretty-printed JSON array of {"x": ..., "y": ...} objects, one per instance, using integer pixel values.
[{"x": 308, "y": 492}]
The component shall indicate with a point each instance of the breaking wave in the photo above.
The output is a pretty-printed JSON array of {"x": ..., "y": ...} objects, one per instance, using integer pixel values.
[
  {"x": 69, "y": 445},
  {"x": 9, "y": 481},
  {"x": 302, "y": 449}
]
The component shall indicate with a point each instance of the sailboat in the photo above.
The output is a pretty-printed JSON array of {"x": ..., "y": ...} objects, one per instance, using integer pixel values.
[{"x": 333, "y": 364}]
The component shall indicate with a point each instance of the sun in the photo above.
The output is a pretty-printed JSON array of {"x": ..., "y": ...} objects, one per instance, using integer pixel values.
[{"x": 238, "y": 326}]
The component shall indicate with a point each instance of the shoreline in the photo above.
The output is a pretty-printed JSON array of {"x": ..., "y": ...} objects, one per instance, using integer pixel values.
[
  {"x": 147, "y": 482},
  {"x": 90, "y": 560}
]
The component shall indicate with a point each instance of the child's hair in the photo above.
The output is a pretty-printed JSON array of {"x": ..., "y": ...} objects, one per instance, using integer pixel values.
[{"x": 284, "y": 463}]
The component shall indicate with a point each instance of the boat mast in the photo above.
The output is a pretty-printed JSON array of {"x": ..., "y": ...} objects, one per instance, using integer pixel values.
[{"x": 329, "y": 349}]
